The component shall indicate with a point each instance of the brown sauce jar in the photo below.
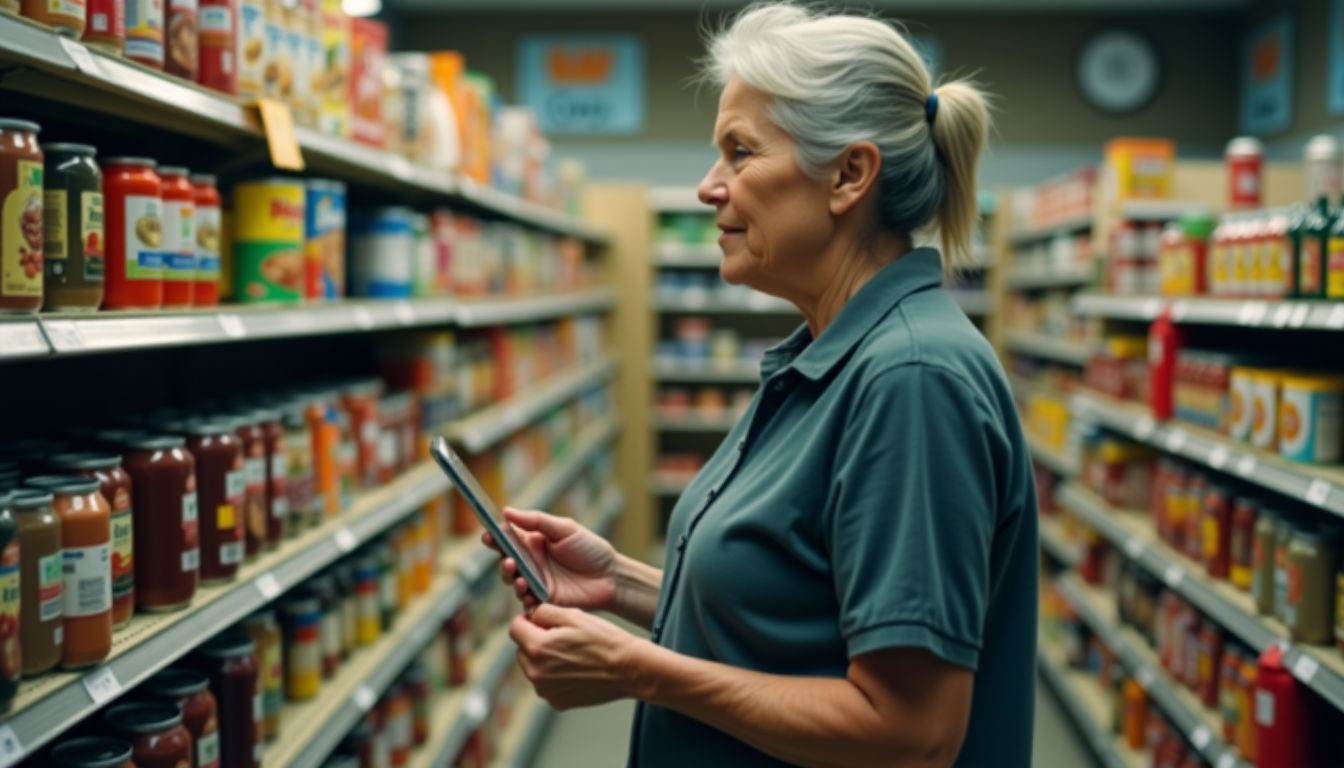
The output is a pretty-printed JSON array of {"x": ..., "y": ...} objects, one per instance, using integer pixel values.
[
  {"x": 41, "y": 581},
  {"x": 231, "y": 661},
  {"x": 167, "y": 535}
]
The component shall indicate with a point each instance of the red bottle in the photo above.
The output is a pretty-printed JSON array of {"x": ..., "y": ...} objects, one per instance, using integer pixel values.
[
  {"x": 1283, "y": 716},
  {"x": 1164, "y": 343}
]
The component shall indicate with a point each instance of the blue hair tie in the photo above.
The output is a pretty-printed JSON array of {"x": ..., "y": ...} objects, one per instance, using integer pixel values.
[{"x": 931, "y": 108}]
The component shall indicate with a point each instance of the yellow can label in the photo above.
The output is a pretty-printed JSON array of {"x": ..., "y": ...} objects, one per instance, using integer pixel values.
[
  {"x": 1334, "y": 269},
  {"x": 270, "y": 211},
  {"x": 22, "y": 233}
]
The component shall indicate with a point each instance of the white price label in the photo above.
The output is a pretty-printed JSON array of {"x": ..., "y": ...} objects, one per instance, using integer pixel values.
[
  {"x": 365, "y": 698},
  {"x": 1305, "y": 668},
  {"x": 11, "y": 751},
  {"x": 1252, "y": 313},
  {"x": 1228, "y": 759},
  {"x": 1145, "y": 677},
  {"x": 476, "y": 707},
  {"x": 102, "y": 685},
  {"x": 1246, "y": 466},
  {"x": 1336, "y": 319},
  {"x": 268, "y": 586},
  {"x": 400, "y": 167},
  {"x": 363, "y": 318},
  {"x": 1144, "y": 428},
  {"x": 84, "y": 60},
  {"x": 1201, "y": 737},
  {"x": 1282, "y": 314},
  {"x": 1218, "y": 456},
  {"x": 1300, "y": 313},
  {"x": 404, "y": 312},
  {"x": 1174, "y": 575},
  {"x": 1150, "y": 308},
  {"x": 1318, "y": 492},
  {"x": 1179, "y": 310},
  {"x": 345, "y": 540},
  {"x": 1134, "y": 547},
  {"x": 1175, "y": 440},
  {"x": 232, "y": 326},
  {"x": 64, "y": 336}
]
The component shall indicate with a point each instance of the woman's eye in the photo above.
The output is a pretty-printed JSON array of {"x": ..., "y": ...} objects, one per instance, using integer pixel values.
[{"x": 740, "y": 152}]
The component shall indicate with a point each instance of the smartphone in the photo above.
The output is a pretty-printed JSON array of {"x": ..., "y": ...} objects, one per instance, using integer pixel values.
[{"x": 490, "y": 516}]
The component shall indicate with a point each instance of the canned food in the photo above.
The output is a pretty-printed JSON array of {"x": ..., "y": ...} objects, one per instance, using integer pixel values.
[
  {"x": 1309, "y": 418},
  {"x": 333, "y": 86},
  {"x": 218, "y": 61},
  {"x": 301, "y": 618},
  {"x": 1265, "y": 409},
  {"x": 183, "y": 39},
  {"x": 106, "y": 30},
  {"x": 268, "y": 240},
  {"x": 381, "y": 254},
  {"x": 66, "y": 16},
  {"x": 144, "y": 32},
  {"x": 1239, "y": 391},
  {"x": 324, "y": 245},
  {"x": 251, "y": 48}
]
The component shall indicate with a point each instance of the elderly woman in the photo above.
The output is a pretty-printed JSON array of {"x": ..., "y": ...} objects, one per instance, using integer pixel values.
[{"x": 851, "y": 579}]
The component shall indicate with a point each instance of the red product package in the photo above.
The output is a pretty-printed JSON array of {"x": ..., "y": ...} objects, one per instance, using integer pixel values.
[{"x": 368, "y": 54}]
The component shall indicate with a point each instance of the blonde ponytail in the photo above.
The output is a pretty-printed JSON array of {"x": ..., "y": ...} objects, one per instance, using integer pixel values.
[{"x": 960, "y": 130}]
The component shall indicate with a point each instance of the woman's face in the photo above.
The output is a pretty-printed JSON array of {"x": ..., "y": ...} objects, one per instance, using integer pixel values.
[{"x": 774, "y": 218}]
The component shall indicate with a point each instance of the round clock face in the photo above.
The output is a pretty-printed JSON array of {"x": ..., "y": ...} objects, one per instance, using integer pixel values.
[{"x": 1118, "y": 71}]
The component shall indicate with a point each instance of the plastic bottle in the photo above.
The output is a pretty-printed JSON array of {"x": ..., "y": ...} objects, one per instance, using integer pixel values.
[
  {"x": 1282, "y": 716},
  {"x": 1164, "y": 344}
]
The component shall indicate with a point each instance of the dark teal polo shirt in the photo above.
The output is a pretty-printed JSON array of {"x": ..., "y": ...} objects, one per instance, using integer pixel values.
[{"x": 876, "y": 494}]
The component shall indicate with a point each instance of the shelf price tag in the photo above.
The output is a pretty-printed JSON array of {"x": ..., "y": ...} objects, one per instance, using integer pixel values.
[
  {"x": 268, "y": 586},
  {"x": 1318, "y": 492},
  {"x": 1300, "y": 314},
  {"x": 1174, "y": 575},
  {"x": 1151, "y": 308},
  {"x": 1175, "y": 440},
  {"x": 1144, "y": 427},
  {"x": 345, "y": 540},
  {"x": 278, "y": 123},
  {"x": 1201, "y": 737},
  {"x": 1145, "y": 677},
  {"x": 1305, "y": 668},
  {"x": 1282, "y": 314},
  {"x": 63, "y": 335},
  {"x": 11, "y": 750},
  {"x": 1246, "y": 465},
  {"x": 476, "y": 707},
  {"x": 102, "y": 685},
  {"x": 1179, "y": 310},
  {"x": 363, "y": 318},
  {"x": 232, "y": 325},
  {"x": 80, "y": 55},
  {"x": 1336, "y": 319},
  {"x": 1218, "y": 456},
  {"x": 365, "y": 698},
  {"x": 1252, "y": 313},
  {"x": 404, "y": 312},
  {"x": 1227, "y": 760},
  {"x": 1134, "y": 547},
  {"x": 400, "y": 167}
]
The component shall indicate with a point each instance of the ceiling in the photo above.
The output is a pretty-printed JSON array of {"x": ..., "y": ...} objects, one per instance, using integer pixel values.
[{"x": 447, "y": 7}]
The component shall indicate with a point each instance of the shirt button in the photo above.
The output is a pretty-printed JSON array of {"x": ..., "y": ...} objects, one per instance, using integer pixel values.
[
  {"x": 778, "y": 386},
  {"x": 681, "y": 543},
  {"x": 741, "y": 445}
]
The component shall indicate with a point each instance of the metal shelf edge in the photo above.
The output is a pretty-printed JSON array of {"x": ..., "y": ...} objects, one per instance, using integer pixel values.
[
  {"x": 475, "y": 313},
  {"x": 1093, "y": 734},
  {"x": 488, "y": 426}
]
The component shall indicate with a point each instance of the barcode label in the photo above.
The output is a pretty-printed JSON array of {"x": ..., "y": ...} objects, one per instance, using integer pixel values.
[{"x": 102, "y": 685}]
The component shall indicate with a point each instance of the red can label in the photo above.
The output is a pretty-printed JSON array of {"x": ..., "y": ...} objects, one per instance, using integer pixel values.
[
  {"x": 10, "y": 660},
  {"x": 218, "y": 46}
]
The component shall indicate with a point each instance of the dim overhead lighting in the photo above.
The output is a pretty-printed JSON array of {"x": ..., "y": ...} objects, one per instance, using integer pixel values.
[{"x": 361, "y": 7}]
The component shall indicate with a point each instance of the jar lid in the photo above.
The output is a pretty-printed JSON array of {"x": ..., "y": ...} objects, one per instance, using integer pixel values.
[
  {"x": 118, "y": 437},
  {"x": 84, "y": 150},
  {"x": 85, "y": 461},
  {"x": 176, "y": 682},
  {"x": 92, "y": 752},
  {"x": 211, "y": 428},
  {"x": 139, "y": 162},
  {"x": 300, "y": 600},
  {"x": 227, "y": 645},
  {"x": 19, "y": 125},
  {"x": 144, "y": 442},
  {"x": 205, "y": 179},
  {"x": 140, "y": 717},
  {"x": 173, "y": 170},
  {"x": 372, "y": 387},
  {"x": 266, "y": 413},
  {"x": 64, "y": 484},
  {"x": 30, "y": 498}
]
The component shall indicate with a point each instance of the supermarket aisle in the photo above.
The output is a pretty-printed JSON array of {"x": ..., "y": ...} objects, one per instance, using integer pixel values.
[{"x": 598, "y": 737}]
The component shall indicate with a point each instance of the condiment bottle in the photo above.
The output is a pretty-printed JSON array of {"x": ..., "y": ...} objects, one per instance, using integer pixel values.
[
  {"x": 256, "y": 505},
  {"x": 86, "y": 553},
  {"x": 1314, "y": 239},
  {"x": 167, "y": 531},
  {"x": 220, "y": 488},
  {"x": 305, "y": 507},
  {"x": 301, "y": 619},
  {"x": 179, "y": 234},
  {"x": 277, "y": 470},
  {"x": 106, "y": 27},
  {"x": 11, "y": 649},
  {"x": 21, "y": 216},
  {"x": 132, "y": 196},
  {"x": 1283, "y": 715},
  {"x": 73, "y": 215},
  {"x": 190, "y": 690},
  {"x": 265, "y": 632},
  {"x": 116, "y": 488},
  {"x": 41, "y": 581},
  {"x": 231, "y": 661}
]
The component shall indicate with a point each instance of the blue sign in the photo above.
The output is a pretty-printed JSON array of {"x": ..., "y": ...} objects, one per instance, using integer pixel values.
[
  {"x": 1334, "y": 88},
  {"x": 583, "y": 84},
  {"x": 1267, "y": 78}
]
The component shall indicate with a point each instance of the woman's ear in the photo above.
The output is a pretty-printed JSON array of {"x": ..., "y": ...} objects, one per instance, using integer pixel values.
[{"x": 854, "y": 175}]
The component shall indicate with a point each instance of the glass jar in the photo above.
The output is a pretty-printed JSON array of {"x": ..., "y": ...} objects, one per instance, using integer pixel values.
[
  {"x": 349, "y": 607},
  {"x": 1244, "y": 515},
  {"x": 360, "y": 399},
  {"x": 220, "y": 487},
  {"x": 256, "y": 504},
  {"x": 305, "y": 508},
  {"x": 369, "y": 624},
  {"x": 21, "y": 218},
  {"x": 1262, "y": 565},
  {"x": 41, "y": 581},
  {"x": 277, "y": 469},
  {"x": 301, "y": 620},
  {"x": 115, "y": 486},
  {"x": 190, "y": 690},
  {"x": 179, "y": 231},
  {"x": 134, "y": 234},
  {"x": 208, "y": 216},
  {"x": 415, "y": 682},
  {"x": 231, "y": 661},
  {"x": 1310, "y": 573},
  {"x": 86, "y": 555},
  {"x": 398, "y": 724},
  {"x": 154, "y": 728},
  {"x": 265, "y": 632},
  {"x": 324, "y": 589},
  {"x": 11, "y": 659},
  {"x": 66, "y": 18},
  {"x": 182, "y": 39},
  {"x": 93, "y": 752},
  {"x": 167, "y": 532},
  {"x": 73, "y": 214}
]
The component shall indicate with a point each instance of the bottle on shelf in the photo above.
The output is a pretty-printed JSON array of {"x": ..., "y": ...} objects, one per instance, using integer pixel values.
[
  {"x": 1313, "y": 239},
  {"x": 1164, "y": 345}
]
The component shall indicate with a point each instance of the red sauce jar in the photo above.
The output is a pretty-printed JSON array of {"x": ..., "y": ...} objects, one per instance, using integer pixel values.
[
  {"x": 106, "y": 28},
  {"x": 190, "y": 690},
  {"x": 220, "y": 487},
  {"x": 167, "y": 532},
  {"x": 1241, "y": 542},
  {"x": 230, "y": 659},
  {"x": 93, "y": 752},
  {"x": 116, "y": 488},
  {"x": 415, "y": 681},
  {"x": 154, "y": 728},
  {"x": 209, "y": 230},
  {"x": 256, "y": 504},
  {"x": 179, "y": 237},
  {"x": 277, "y": 470},
  {"x": 133, "y": 204},
  {"x": 1216, "y": 549}
]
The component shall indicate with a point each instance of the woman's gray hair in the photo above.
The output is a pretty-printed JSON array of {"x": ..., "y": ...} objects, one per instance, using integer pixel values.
[{"x": 835, "y": 80}]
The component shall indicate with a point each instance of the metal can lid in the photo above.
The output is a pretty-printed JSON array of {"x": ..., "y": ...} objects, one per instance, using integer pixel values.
[
  {"x": 19, "y": 125},
  {"x": 64, "y": 484},
  {"x": 143, "y": 162},
  {"x": 85, "y": 150},
  {"x": 227, "y": 645},
  {"x": 141, "y": 717},
  {"x": 176, "y": 682},
  {"x": 92, "y": 752}
]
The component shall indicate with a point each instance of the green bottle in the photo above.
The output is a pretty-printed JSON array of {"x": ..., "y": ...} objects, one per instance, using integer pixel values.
[{"x": 1315, "y": 238}]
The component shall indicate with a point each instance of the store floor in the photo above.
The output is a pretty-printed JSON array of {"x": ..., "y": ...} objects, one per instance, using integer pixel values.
[{"x": 598, "y": 737}]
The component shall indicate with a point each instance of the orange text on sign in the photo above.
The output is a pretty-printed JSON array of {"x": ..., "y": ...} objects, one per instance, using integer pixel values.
[
  {"x": 579, "y": 66},
  {"x": 1265, "y": 59}
]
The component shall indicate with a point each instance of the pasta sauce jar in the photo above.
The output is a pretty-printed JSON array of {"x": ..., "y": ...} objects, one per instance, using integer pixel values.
[
  {"x": 265, "y": 632},
  {"x": 93, "y": 752},
  {"x": 134, "y": 225},
  {"x": 21, "y": 217},
  {"x": 116, "y": 488},
  {"x": 190, "y": 690},
  {"x": 73, "y": 214},
  {"x": 154, "y": 728},
  {"x": 167, "y": 535},
  {"x": 179, "y": 237},
  {"x": 208, "y": 233},
  {"x": 41, "y": 581},
  {"x": 230, "y": 659},
  {"x": 256, "y": 505},
  {"x": 277, "y": 470},
  {"x": 220, "y": 487},
  {"x": 66, "y": 16}
]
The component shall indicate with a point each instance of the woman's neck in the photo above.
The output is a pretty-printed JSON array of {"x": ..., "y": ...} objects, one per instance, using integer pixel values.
[{"x": 853, "y": 268}]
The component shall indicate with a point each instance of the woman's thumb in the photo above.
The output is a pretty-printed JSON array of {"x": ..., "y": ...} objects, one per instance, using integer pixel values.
[{"x": 550, "y": 526}]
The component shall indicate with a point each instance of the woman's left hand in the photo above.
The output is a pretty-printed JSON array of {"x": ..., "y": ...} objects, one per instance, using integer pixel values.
[{"x": 574, "y": 659}]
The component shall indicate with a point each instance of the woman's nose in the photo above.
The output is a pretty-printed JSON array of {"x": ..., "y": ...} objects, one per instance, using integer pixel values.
[{"x": 712, "y": 190}]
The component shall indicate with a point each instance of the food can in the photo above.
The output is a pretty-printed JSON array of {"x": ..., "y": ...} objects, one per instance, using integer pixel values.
[
  {"x": 1309, "y": 418},
  {"x": 296, "y": 47},
  {"x": 218, "y": 64},
  {"x": 1265, "y": 408},
  {"x": 268, "y": 240},
  {"x": 207, "y": 239},
  {"x": 66, "y": 17},
  {"x": 106, "y": 30},
  {"x": 382, "y": 259},
  {"x": 1321, "y": 167},
  {"x": 251, "y": 47},
  {"x": 1239, "y": 394},
  {"x": 315, "y": 62},
  {"x": 324, "y": 245},
  {"x": 1245, "y": 157},
  {"x": 144, "y": 32},
  {"x": 277, "y": 79},
  {"x": 183, "y": 39},
  {"x": 21, "y": 217}
]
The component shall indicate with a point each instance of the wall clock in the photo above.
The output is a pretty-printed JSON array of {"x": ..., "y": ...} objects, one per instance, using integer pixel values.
[{"x": 1118, "y": 71}]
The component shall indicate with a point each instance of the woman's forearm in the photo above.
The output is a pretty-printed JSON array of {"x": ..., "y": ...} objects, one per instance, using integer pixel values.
[{"x": 637, "y": 588}]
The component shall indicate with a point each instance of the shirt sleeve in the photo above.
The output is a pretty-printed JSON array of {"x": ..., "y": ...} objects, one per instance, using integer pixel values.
[{"x": 912, "y": 515}]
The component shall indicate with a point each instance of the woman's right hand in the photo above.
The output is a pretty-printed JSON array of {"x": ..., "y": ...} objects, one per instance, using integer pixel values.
[{"x": 577, "y": 565}]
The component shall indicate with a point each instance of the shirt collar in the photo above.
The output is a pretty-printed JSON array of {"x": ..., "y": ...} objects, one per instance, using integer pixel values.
[{"x": 919, "y": 269}]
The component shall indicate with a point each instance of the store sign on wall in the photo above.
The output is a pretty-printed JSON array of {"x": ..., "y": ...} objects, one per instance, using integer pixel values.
[
  {"x": 590, "y": 84},
  {"x": 1334, "y": 86},
  {"x": 1267, "y": 78}
]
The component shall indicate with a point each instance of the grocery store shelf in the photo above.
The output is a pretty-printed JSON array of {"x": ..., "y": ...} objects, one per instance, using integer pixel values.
[
  {"x": 1035, "y": 278},
  {"x": 677, "y": 200},
  {"x": 610, "y": 506},
  {"x": 1056, "y": 543},
  {"x": 1061, "y": 227},
  {"x": 706, "y": 372},
  {"x": 1319, "y": 667},
  {"x": 753, "y": 303},
  {"x": 1199, "y": 726},
  {"x": 1320, "y": 487},
  {"x": 311, "y": 730},
  {"x": 49, "y": 705},
  {"x": 65, "y": 71},
  {"x": 474, "y": 313},
  {"x": 974, "y": 303},
  {"x": 662, "y": 485},
  {"x": 1161, "y": 210},
  {"x": 692, "y": 422},
  {"x": 1047, "y": 347},
  {"x": 518, "y": 743},
  {"x": 459, "y": 713},
  {"x": 1085, "y": 704},
  {"x": 687, "y": 256},
  {"x": 1241, "y": 313},
  {"x": 22, "y": 338},
  {"x": 488, "y": 426},
  {"x": 1058, "y": 462}
]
